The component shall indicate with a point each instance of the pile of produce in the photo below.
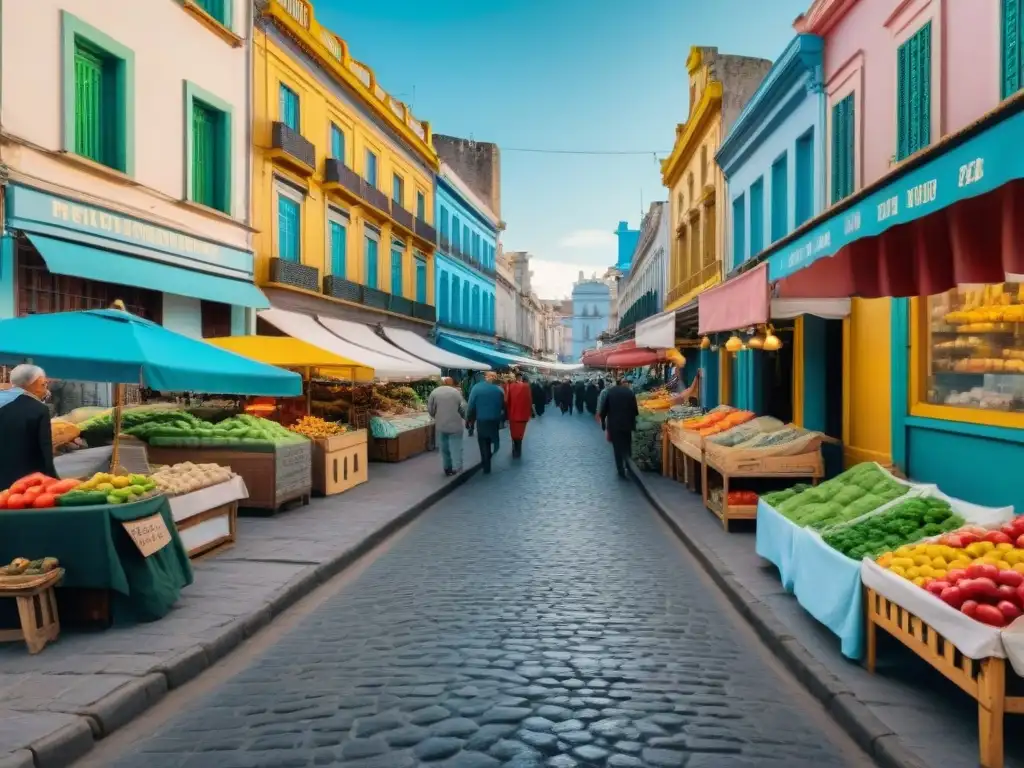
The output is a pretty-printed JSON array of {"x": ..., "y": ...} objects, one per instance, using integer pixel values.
[
  {"x": 708, "y": 420},
  {"x": 647, "y": 435},
  {"x": 183, "y": 430},
  {"x": 656, "y": 400},
  {"x": 179, "y": 479},
  {"x": 394, "y": 400},
  {"x": 314, "y": 427},
  {"x": 35, "y": 491},
  {"x": 983, "y": 578},
  {"x": 729, "y": 420},
  {"x": 389, "y": 428},
  {"x": 22, "y": 566},
  {"x": 99, "y": 429},
  {"x": 775, "y": 498},
  {"x": 746, "y": 431},
  {"x": 905, "y": 523},
  {"x": 856, "y": 492}
]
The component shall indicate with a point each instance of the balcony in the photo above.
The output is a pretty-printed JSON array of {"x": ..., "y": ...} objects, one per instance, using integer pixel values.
[
  {"x": 292, "y": 148},
  {"x": 297, "y": 275},
  {"x": 374, "y": 196},
  {"x": 401, "y": 216},
  {"x": 425, "y": 231},
  {"x": 340, "y": 288},
  {"x": 444, "y": 243},
  {"x": 338, "y": 176},
  {"x": 460, "y": 326},
  {"x": 694, "y": 281},
  {"x": 460, "y": 255}
]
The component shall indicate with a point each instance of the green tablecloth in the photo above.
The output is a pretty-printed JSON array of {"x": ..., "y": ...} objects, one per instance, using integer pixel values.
[{"x": 97, "y": 553}]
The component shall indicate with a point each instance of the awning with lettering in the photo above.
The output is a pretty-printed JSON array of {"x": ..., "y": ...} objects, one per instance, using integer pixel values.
[
  {"x": 63, "y": 257},
  {"x": 952, "y": 215}
]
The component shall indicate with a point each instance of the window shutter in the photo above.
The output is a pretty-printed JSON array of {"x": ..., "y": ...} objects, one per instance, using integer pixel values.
[
  {"x": 289, "y": 107},
  {"x": 843, "y": 149},
  {"x": 442, "y": 298},
  {"x": 739, "y": 229},
  {"x": 337, "y": 143},
  {"x": 1011, "y": 47},
  {"x": 913, "y": 93},
  {"x": 338, "y": 249},
  {"x": 396, "y": 272},
  {"x": 89, "y": 102},
  {"x": 204, "y": 155},
  {"x": 421, "y": 281},
  {"x": 756, "y": 217},
  {"x": 780, "y": 198},
  {"x": 288, "y": 234}
]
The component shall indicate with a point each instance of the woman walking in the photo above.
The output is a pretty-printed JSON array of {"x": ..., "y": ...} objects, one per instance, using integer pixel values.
[{"x": 519, "y": 407}]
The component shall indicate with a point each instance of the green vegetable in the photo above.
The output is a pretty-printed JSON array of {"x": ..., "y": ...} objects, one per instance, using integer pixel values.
[
  {"x": 82, "y": 499},
  {"x": 905, "y": 523}
]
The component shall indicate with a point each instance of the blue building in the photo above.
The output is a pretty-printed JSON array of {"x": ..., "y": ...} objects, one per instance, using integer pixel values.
[
  {"x": 591, "y": 313},
  {"x": 467, "y": 245},
  {"x": 627, "y": 245},
  {"x": 773, "y": 161}
]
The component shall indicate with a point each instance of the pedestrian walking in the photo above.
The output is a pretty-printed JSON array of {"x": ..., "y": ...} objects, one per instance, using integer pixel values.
[
  {"x": 601, "y": 397},
  {"x": 590, "y": 397},
  {"x": 618, "y": 413},
  {"x": 25, "y": 425},
  {"x": 519, "y": 407},
  {"x": 579, "y": 390},
  {"x": 565, "y": 396},
  {"x": 537, "y": 391},
  {"x": 447, "y": 408},
  {"x": 486, "y": 411}
]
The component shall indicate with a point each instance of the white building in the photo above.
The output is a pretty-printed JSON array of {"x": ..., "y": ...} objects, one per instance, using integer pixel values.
[
  {"x": 506, "y": 300},
  {"x": 126, "y": 142},
  {"x": 642, "y": 291}
]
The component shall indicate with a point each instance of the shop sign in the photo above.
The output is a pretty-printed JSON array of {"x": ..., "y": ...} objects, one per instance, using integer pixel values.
[
  {"x": 38, "y": 212},
  {"x": 149, "y": 534},
  {"x": 978, "y": 165}
]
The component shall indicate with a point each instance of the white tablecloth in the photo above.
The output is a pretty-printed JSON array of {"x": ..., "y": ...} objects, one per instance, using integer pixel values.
[{"x": 187, "y": 505}]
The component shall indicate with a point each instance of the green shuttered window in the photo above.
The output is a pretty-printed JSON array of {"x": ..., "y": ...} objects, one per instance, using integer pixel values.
[
  {"x": 780, "y": 198},
  {"x": 756, "y": 217},
  {"x": 739, "y": 228},
  {"x": 397, "y": 189},
  {"x": 396, "y": 272},
  {"x": 337, "y": 143},
  {"x": 205, "y": 155},
  {"x": 843, "y": 148},
  {"x": 338, "y": 246},
  {"x": 804, "y": 203},
  {"x": 289, "y": 229},
  {"x": 914, "y": 93},
  {"x": 442, "y": 297},
  {"x": 371, "y": 262},
  {"x": 93, "y": 101},
  {"x": 421, "y": 206},
  {"x": 218, "y": 9},
  {"x": 1013, "y": 62},
  {"x": 421, "y": 280},
  {"x": 456, "y": 313},
  {"x": 371, "y": 168},
  {"x": 289, "y": 107}
]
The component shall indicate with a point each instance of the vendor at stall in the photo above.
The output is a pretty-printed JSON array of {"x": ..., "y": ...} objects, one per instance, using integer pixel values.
[{"x": 27, "y": 444}]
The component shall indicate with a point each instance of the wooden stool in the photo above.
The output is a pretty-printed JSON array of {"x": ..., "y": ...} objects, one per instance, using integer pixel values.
[{"x": 37, "y": 612}]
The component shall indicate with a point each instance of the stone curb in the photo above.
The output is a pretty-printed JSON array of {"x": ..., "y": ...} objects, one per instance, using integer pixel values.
[
  {"x": 115, "y": 710},
  {"x": 863, "y": 726}
]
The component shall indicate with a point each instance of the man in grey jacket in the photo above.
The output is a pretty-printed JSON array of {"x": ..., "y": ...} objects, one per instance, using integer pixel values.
[{"x": 448, "y": 410}]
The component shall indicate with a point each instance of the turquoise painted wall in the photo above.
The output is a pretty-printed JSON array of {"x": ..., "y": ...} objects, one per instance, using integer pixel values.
[
  {"x": 814, "y": 373},
  {"x": 239, "y": 321},
  {"x": 6, "y": 276},
  {"x": 747, "y": 388},
  {"x": 708, "y": 378}
]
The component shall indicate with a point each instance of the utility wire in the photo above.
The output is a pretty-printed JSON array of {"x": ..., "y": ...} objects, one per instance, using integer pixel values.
[{"x": 581, "y": 151}]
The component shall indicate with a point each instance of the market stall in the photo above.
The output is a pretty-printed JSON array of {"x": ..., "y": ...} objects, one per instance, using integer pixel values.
[{"x": 657, "y": 410}]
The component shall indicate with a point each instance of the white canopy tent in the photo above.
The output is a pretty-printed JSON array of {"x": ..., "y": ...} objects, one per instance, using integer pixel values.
[
  {"x": 424, "y": 350},
  {"x": 307, "y": 329},
  {"x": 364, "y": 336}
]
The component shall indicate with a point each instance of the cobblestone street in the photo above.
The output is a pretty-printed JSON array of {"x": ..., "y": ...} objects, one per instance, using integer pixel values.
[{"x": 542, "y": 616}]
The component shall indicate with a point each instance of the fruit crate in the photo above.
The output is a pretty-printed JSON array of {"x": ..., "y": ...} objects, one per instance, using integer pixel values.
[
  {"x": 340, "y": 462},
  {"x": 404, "y": 446}
]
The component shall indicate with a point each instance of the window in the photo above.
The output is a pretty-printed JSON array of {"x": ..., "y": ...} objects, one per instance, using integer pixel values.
[
  {"x": 218, "y": 9},
  {"x": 467, "y": 310},
  {"x": 421, "y": 206},
  {"x": 397, "y": 189},
  {"x": 456, "y": 232},
  {"x": 1013, "y": 62},
  {"x": 289, "y": 224},
  {"x": 442, "y": 293},
  {"x": 337, "y": 244},
  {"x": 780, "y": 198},
  {"x": 914, "y": 93},
  {"x": 397, "y": 252},
  {"x": 466, "y": 242},
  {"x": 289, "y": 108},
  {"x": 371, "y": 245},
  {"x": 337, "y": 143},
  {"x": 804, "y": 204},
  {"x": 476, "y": 320},
  {"x": 98, "y": 93},
  {"x": 843, "y": 148},
  {"x": 456, "y": 300},
  {"x": 476, "y": 247},
  {"x": 756, "y": 217},
  {"x": 208, "y": 149},
  {"x": 444, "y": 221},
  {"x": 370, "y": 172},
  {"x": 739, "y": 228},
  {"x": 421, "y": 278}
]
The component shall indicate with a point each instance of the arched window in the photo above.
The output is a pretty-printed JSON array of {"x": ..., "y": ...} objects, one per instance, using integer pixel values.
[{"x": 442, "y": 292}]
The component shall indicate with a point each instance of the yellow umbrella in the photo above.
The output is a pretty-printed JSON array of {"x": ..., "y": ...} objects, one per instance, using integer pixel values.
[{"x": 286, "y": 352}]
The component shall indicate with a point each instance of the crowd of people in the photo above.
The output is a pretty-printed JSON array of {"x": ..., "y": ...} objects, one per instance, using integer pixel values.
[{"x": 494, "y": 401}]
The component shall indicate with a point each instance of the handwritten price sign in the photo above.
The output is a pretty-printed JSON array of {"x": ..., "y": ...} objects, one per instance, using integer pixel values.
[{"x": 150, "y": 534}]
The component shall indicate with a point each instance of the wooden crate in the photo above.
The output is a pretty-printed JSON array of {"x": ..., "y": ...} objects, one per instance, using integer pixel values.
[
  {"x": 405, "y": 446},
  {"x": 984, "y": 680},
  {"x": 258, "y": 470},
  {"x": 210, "y": 530},
  {"x": 340, "y": 463}
]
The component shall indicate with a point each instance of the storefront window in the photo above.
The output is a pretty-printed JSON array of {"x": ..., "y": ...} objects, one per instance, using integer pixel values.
[{"x": 976, "y": 348}]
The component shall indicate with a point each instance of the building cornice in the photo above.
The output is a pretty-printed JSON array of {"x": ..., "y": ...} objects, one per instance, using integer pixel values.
[
  {"x": 458, "y": 187},
  {"x": 774, "y": 99},
  {"x": 296, "y": 19},
  {"x": 822, "y": 16},
  {"x": 688, "y": 134}
]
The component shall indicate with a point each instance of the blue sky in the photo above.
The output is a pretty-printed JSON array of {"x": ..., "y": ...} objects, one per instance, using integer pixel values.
[{"x": 606, "y": 75}]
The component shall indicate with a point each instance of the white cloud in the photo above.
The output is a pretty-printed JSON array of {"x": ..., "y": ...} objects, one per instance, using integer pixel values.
[
  {"x": 554, "y": 279},
  {"x": 589, "y": 239}
]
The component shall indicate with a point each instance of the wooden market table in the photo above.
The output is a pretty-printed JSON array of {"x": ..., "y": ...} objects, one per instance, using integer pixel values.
[
  {"x": 682, "y": 457},
  {"x": 339, "y": 462},
  {"x": 984, "y": 680},
  {"x": 718, "y": 460},
  {"x": 207, "y": 519},
  {"x": 404, "y": 445}
]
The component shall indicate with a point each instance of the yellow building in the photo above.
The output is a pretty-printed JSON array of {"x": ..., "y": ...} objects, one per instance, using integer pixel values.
[{"x": 343, "y": 181}]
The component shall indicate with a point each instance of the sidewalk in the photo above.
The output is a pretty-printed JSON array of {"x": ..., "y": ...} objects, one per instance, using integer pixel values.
[
  {"x": 907, "y": 715},
  {"x": 55, "y": 704}
]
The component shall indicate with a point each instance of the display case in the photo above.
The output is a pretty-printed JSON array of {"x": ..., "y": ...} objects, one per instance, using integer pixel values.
[{"x": 974, "y": 348}]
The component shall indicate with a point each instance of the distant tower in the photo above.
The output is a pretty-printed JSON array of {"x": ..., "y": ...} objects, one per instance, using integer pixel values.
[{"x": 627, "y": 244}]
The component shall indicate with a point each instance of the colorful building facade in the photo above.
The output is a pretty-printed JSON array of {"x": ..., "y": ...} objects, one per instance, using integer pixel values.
[
  {"x": 128, "y": 163},
  {"x": 466, "y": 257},
  {"x": 591, "y": 311},
  {"x": 644, "y": 285},
  {"x": 343, "y": 184}
]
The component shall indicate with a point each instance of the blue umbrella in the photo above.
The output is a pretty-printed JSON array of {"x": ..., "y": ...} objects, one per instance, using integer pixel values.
[{"x": 114, "y": 346}]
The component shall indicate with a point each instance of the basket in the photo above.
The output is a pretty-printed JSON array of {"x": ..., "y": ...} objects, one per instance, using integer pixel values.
[{"x": 34, "y": 581}]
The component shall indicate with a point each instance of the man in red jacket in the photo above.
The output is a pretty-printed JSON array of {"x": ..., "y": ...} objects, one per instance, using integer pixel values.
[{"x": 519, "y": 407}]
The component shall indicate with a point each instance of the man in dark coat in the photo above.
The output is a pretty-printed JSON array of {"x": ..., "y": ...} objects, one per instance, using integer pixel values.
[
  {"x": 579, "y": 389},
  {"x": 539, "y": 397},
  {"x": 565, "y": 396},
  {"x": 590, "y": 397},
  {"x": 618, "y": 412},
  {"x": 27, "y": 444},
  {"x": 486, "y": 410}
]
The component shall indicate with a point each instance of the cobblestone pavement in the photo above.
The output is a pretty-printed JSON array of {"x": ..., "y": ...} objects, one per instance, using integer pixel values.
[{"x": 542, "y": 616}]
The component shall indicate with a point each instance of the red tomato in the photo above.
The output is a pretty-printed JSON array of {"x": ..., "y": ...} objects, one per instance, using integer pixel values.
[
  {"x": 1020, "y": 542},
  {"x": 935, "y": 586},
  {"x": 3, "y": 499},
  {"x": 16, "y": 501},
  {"x": 998, "y": 537},
  {"x": 34, "y": 491},
  {"x": 63, "y": 486},
  {"x": 1020, "y": 593},
  {"x": 19, "y": 487},
  {"x": 44, "y": 501},
  {"x": 985, "y": 587},
  {"x": 1009, "y": 610},
  {"x": 952, "y": 596},
  {"x": 968, "y": 537},
  {"x": 969, "y": 608},
  {"x": 955, "y": 575},
  {"x": 989, "y": 614},
  {"x": 953, "y": 540},
  {"x": 1013, "y": 578},
  {"x": 1007, "y": 593},
  {"x": 974, "y": 570}
]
